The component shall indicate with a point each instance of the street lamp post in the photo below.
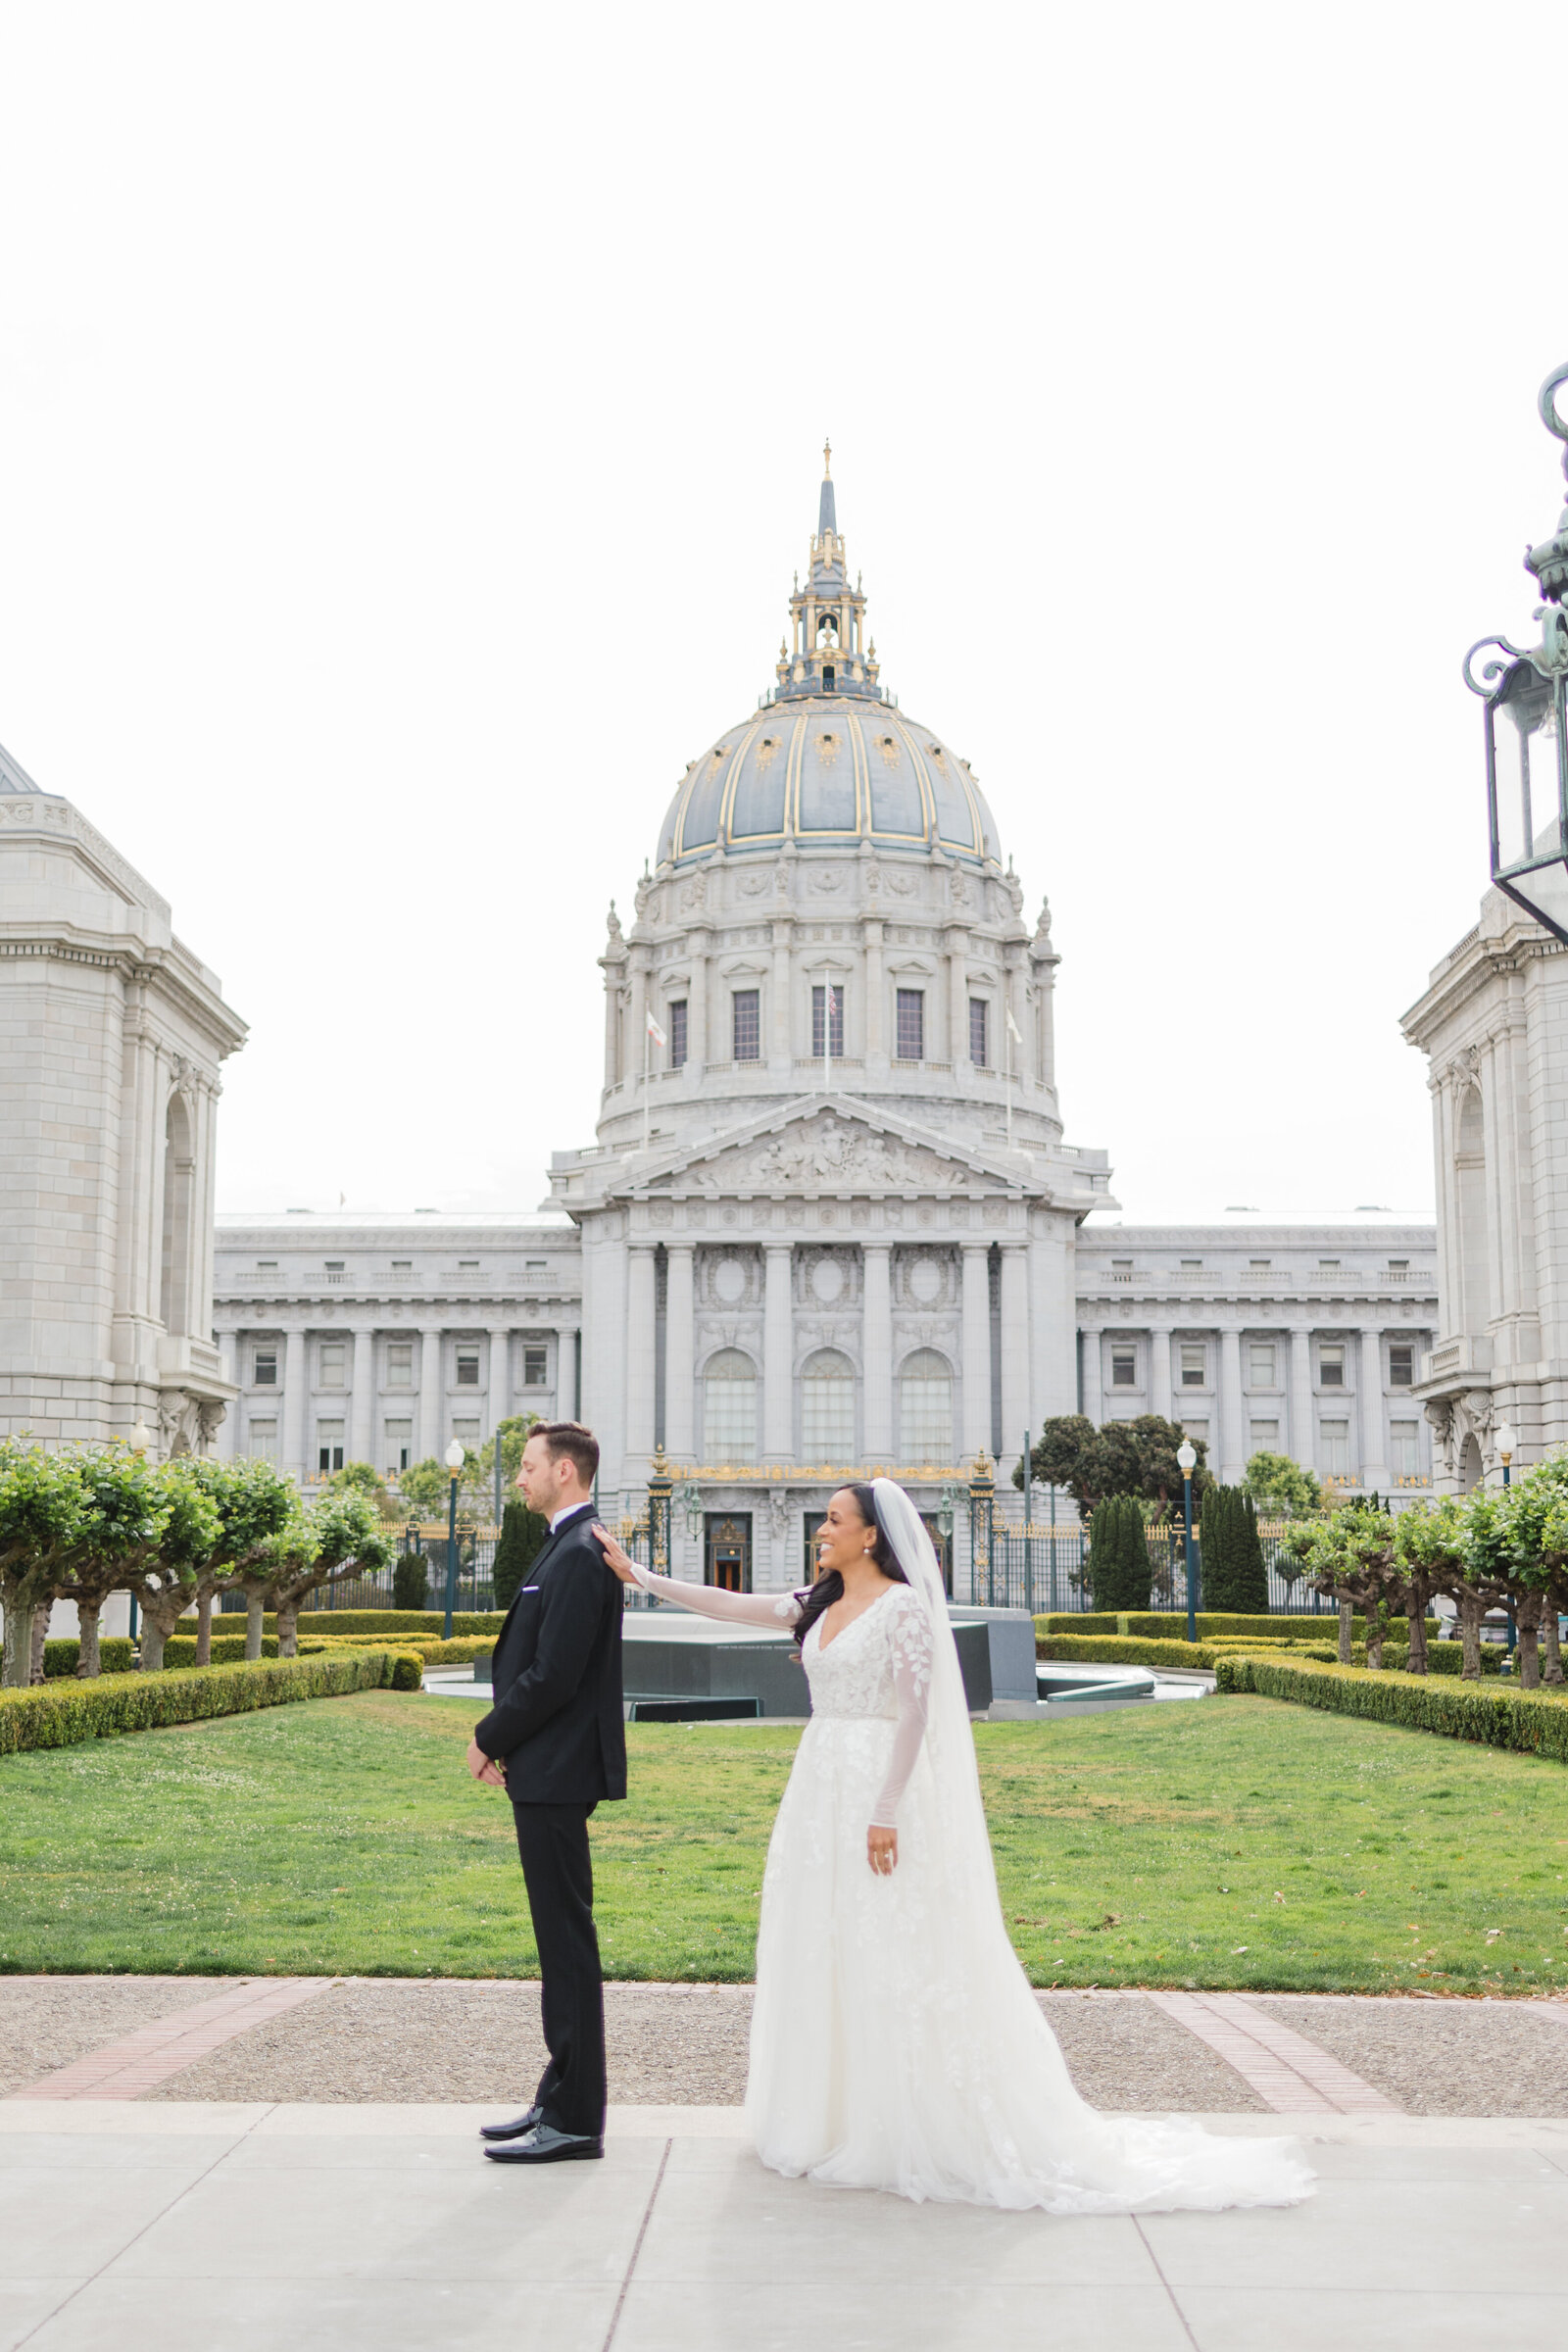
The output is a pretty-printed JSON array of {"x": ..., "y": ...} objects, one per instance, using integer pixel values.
[
  {"x": 1525, "y": 692},
  {"x": 1508, "y": 1445},
  {"x": 455, "y": 1459},
  {"x": 141, "y": 1436},
  {"x": 1187, "y": 1459}
]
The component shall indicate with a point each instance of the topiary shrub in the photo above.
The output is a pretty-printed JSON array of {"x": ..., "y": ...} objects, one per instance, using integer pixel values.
[
  {"x": 409, "y": 1585},
  {"x": 523, "y": 1537}
]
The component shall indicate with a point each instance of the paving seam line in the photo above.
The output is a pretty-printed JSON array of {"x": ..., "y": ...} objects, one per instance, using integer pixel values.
[
  {"x": 648, "y": 2214},
  {"x": 1181, "y": 2314},
  {"x": 1278, "y": 2083},
  {"x": 138, "y": 2062}
]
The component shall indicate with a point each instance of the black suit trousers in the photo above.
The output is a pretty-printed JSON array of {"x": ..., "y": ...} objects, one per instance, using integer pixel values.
[{"x": 557, "y": 1870}]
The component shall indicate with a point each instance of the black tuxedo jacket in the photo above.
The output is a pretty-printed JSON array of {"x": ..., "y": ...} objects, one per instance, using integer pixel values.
[{"x": 558, "y": 1723}]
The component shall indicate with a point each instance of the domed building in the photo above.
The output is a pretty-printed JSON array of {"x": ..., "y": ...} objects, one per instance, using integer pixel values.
[{"x": 828, "y": 1223}]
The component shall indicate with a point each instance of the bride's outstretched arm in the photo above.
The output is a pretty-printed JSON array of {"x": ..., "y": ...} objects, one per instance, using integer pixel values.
[
  {"x": 911, "y": 1684},
  {"x": 776, "y": 1609}
]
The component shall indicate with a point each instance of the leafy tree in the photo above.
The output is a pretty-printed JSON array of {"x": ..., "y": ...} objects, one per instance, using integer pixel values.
[
  {"x": 1122, "y": 1577},
  {"x": 1429, "y": 1541},
  {"x": 1281, "y": 1486},
  {"x": 125, "y": 1517},
  {"x": 523, "y": 1534},
  {"x": 166, "y": 1582},
  {"x": 361, "y": 1478},
  {"x": 256, "y": 1505},
  {"x": 514, "y": 1437},
  {"x": 426, "y": 1488},
  {"x": 1123, "y": 1457},
  {"x": 41, "y": 1512},
  {"x": 1350, "y": 1557},
  {"x": 338, "y": 1536},
  {"x": 1235, "y": 1578},
  {"x": 410, "y": 1581}
]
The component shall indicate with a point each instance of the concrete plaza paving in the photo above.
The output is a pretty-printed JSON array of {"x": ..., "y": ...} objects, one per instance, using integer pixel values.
[{"x": 183, "y": 2228}]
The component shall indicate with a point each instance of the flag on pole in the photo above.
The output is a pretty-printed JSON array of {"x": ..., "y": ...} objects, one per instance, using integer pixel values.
[
  {"x": 1013, "y": 1030},
  {"x": 655, "y": 1033}
]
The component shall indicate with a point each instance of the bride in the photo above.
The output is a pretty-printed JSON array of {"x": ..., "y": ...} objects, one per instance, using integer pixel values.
[{"x": 896, "y": 2043}]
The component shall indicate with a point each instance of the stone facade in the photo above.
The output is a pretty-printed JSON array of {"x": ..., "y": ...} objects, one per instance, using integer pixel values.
[
  {"x": 110, "y": 1036},
  {"x": 1493, "y": 1025}
]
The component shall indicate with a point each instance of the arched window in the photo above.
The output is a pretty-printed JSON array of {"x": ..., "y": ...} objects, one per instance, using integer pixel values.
[
  {"x": 827, "y": 629},
  {"x": 729, "y": 1407},
  {"x": 179, "y": 1168},
  {"x": 1470, "y": 1169},
  {"x": 827, "y": 1408},
  {"x": 925, "y": 1407}
]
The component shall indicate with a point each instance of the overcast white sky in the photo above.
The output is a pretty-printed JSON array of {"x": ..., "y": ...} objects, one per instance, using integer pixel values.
[{"x": 410, "y": 421}]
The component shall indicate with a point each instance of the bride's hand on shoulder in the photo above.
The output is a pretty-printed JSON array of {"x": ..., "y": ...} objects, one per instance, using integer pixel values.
[
  {"x": 882, "y": 1851},
  {"x": 614, "y": 1558}
]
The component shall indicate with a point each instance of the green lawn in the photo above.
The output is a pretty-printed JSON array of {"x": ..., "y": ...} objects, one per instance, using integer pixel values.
[{"x": 1229, "y": 1843}]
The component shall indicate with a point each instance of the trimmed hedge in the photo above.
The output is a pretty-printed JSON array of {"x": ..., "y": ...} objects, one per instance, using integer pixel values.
[
  {"x": 379, "y": 1622},
  {"x": 61, "y": 1714},
  {"x": 1112, "y": 1649},
  {"x": 60, "y": 1658},
  {"x": 1213, "y": 1625},
  {"x": 1531, "y": 1722}
]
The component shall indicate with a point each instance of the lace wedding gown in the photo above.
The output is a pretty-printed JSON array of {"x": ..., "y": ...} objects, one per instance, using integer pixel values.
[{"x": 896, "y": 2043}]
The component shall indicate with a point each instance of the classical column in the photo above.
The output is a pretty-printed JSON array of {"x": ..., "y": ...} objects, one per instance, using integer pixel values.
[
  {"x": 226, "y": 1444},
  {"x": 429, "y": 1392},
  {"x": 1159, "y": 1344},
  {"x": 1300, "y": 1444},
  {"x": 1052, "y": 1310},
  {"x": 778, "y": 1358},
  {"x": 639, "y": 1358},
  {"x": 680, "y": 1380},
  {"x": 293, "y": 1431},
  {"x": 876, "y": 1350},
  {"x": 1017, "y": 1409},
  {"x": 1369, "y": 1398},
  {"x": 697, "y": 1007},
  {"x": 500, "y": 1378},
  {"x": 958, "y": 944},
  {"x": 876, "y": 1044},
  {"x": 361, "y": 1425},
  {"x": 976, "y": 1349},
  {"x": 1231, "y": 1449},
  {"x": 778, "y": 1048},
  {"x": 1093, "y": 1403},
  {"x": 567, "y": 1403},
  {"x": 204, "y": 1239}
]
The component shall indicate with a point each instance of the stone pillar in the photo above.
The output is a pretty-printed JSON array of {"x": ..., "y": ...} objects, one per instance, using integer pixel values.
[
  {"x": 958, "y": 944},
  {"x": 204, "y": 1238},
  {"x": 500, "y": 1378},
  {"x": 1301, "y": 1444},
  {"x": 776, "y": 1045},
  {"x": 1016, "y": 1403},
  {"x": 1094, "y": 1405},
  {"x": 1369, "y": 1400},
  {"x": 876, "y": 1351},
  {"x": 293, "y": 1430},
  {"x": 778, "y": 1358},
  {"x": 876, "y": 1041},
  {"x": 1159, "y": 1393},
  {"x": 680, "y": 1346},
  {"x": 362, "y": 1423},
  {"x": 1231, "y": 1448},
  {"x": 1052, "y": 1313},
  {"x": 697, "y": 1006},
  {"x": 429, "y": 1393},
  {"x": 226, "y": 1445},
  {"x": 976, "y": 1349},
  {"x": 639, "y": 1360}
]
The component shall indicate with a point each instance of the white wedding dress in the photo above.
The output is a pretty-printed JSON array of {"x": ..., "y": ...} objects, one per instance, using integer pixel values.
[{"x": 896, "y": 2041}]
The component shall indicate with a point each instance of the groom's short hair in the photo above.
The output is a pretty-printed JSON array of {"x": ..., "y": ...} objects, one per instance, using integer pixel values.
[{"x": 570, "y": 1440}]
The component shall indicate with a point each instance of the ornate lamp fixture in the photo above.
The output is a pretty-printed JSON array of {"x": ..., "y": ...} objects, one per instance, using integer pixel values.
[{"x": 1526, "y": 721}]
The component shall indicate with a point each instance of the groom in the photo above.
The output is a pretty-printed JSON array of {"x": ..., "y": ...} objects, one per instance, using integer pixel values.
[{"x": 554, "y": 1740}]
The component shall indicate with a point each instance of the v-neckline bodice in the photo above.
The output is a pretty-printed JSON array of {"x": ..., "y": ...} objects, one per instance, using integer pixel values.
[{"x": 824, "y": 1647}]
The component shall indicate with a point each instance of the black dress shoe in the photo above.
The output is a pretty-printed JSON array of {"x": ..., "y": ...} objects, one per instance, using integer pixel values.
[
  {"x": 513, "y": 2130},
  {"x": 544, "y": 2144}
]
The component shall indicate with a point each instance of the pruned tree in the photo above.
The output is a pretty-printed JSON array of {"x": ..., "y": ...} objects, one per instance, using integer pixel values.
[
  {"x": 523, "y": 1534},
  {"x": 1121, "y": 1457},
  {"x": 1350, "y": 1557},
  {"x": 255, "y": 1504},
  {"x": 1280, "y": 1486},
  {"x": 126, "y": 1511},
  {"x": 165, "y": 1583},
  {"x": 41, "y": 1512},
  {"x": 336, "y": 1536}
]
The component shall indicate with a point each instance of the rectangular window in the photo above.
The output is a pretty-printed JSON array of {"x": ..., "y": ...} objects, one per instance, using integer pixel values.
[
  {"x": 1194, "y": 1365},
  {"x": 910, "y": 1024},
  {"x": 331, "y": 1364},
  {"x": 330, "y": 1444},
  {"x": 334, "y": 1265},
  {"x": 261, "y": 1441},
  {"x": 979, "y": 1033},
  {"x": 534, "y": 1265},
  {"x": 403, "y": 1265},
  {"x": 1330, "y": 1367},
  {"x": 1259, "y": 1265},
  {"x": 819, "y": 1016},
  {"x": 1327, "y": 1265},
  {"x": 397, "y": 1449},
  {"x": 263, "y": 1368},
  {"x": 1398, "y": 1265},
  {"x": 266, "y": 1265},
  {"x": 745, "y": 1022},
  {"x": 467, "y": 1433},
  {"x": 535, "y": 1367},
  {"x": 1260, "y": 1356},
  {"x": 1124, "y": 1367},
  {"x": 1333, "y": 1447},
  {"x": 1192, "y": 1264},
  {"x": 467, "y": 1367},
  {"x": 1265, "y": 1435},
  {"x": 1405, "y": 1449},
  {"x": 677, "y": 1034},
  {"x": 1121, "y": 1262},
  {"x": 400, "y": 1364},
  {"x": 1197, "y": 1431},
  {"x": 1402, "y": 1366},
  {"x": 467, "y": 1265}
]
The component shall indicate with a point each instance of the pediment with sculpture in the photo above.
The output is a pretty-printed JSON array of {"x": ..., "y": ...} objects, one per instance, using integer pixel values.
[{"x": 824, "y": 1150}]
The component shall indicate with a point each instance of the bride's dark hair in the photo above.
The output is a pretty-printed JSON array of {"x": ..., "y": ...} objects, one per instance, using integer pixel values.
[{"x": 830, "y": 1588}]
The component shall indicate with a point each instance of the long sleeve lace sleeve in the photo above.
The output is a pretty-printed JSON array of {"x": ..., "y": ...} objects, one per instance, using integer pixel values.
[
  {"x": 911, "y": 1684},
  {"x": 776, "y": 1609}
]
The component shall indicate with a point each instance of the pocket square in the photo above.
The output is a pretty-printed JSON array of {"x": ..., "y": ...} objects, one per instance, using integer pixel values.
[{"x": 530, "y": 1588}]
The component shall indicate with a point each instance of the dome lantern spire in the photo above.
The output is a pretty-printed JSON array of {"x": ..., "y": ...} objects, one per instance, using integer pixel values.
[{"x": 827, "y": 618}]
